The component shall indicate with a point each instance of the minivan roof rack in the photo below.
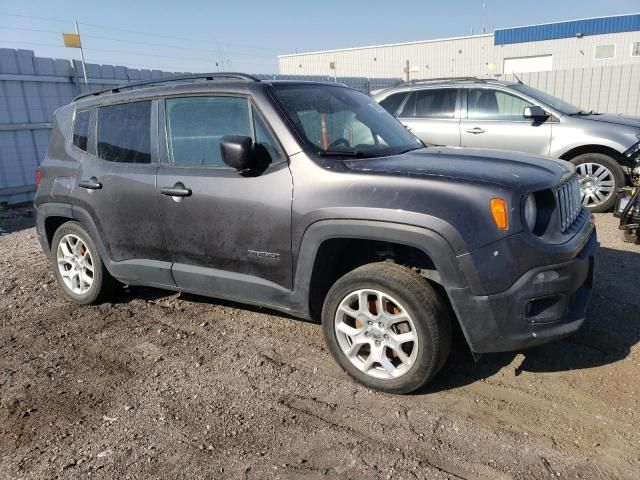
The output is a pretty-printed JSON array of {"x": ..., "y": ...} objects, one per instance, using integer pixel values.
[
  {"x": 446, "y": 79},
  {"x": 175, "y": 78}
]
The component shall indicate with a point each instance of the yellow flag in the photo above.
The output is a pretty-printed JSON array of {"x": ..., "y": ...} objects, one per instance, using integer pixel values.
[{"x": 71, "y": 40}]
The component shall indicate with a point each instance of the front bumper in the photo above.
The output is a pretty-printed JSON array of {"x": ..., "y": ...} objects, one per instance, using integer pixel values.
[{"x": 544, "y": 304}]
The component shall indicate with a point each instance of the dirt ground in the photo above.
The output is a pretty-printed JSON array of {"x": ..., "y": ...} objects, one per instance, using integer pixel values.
[{"x": 163, "y": 385}]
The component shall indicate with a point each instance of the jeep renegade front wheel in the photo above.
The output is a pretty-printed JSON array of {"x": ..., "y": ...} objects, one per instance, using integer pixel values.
[
  {"x": 78, "y": 266},
  {"x": 387, "y": 327}
]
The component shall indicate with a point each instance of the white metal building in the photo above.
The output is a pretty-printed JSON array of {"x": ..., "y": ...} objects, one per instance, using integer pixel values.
[{"x": 588, "y": 43}]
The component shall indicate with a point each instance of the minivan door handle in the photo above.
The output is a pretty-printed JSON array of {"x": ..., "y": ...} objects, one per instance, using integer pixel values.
[
  {"x": 475, "y": 130},
  {"x": 91, "y": 184},
  {"x": 176, "y": 191}
]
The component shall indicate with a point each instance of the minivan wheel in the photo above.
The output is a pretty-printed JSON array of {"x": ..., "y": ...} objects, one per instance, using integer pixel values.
[
  {"x": 387, "y": 327},
  {"x": 78, "y": 266},
  {"x": 600, "y": 178}
]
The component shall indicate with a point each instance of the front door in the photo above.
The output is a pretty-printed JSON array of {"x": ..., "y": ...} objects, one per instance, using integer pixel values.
[
  {"x": 495, "y": 120},
  {"x": 229, "y": 234},
  {"x": 116, "y": 186},
  {"x": 431, "y": 116}
]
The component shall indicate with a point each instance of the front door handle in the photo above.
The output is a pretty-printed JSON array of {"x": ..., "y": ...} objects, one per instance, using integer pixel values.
[
  {"x": 475, "y": 130},
  {"x": 91, "y": 184},
  {"x": 176, "y": 191}
]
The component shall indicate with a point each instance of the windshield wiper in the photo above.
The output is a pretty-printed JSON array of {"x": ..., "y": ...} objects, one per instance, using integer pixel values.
[
  {"x": 581, "y": 113},
  {"x": 410, "y": 150},
  {"x": 343, "y": 153}
]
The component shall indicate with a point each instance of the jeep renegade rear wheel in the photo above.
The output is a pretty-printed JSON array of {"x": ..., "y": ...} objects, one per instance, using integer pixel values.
[
  {"x": 78, "y": 266},
  {"x": 387, "y": 327}
]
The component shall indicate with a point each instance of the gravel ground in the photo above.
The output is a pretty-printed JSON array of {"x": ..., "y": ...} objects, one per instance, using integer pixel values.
[{"x": 159, "y": 384}]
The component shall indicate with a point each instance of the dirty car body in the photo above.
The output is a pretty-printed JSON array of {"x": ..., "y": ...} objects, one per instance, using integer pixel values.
[{"x": 320, "y": 204}]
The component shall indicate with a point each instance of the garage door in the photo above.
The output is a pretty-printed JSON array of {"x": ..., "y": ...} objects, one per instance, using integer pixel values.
[{"x": 541, "y": 63}]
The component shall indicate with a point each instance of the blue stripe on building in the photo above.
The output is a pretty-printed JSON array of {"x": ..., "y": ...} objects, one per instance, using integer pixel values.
[{"x": 554, "y": 31}]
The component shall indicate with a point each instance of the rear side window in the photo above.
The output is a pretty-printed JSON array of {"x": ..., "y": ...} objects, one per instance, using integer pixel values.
[
  {"x": 124, "y": 132},
  {"x": 392, "y": 102},
  {"x": 439, "y": 103},
  {"x": 81, "y": 129},
  {"x": 195, "y": 126}
]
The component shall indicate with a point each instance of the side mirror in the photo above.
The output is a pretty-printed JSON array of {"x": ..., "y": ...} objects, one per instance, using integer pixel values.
[
  {"x": 535, "y": 112},
  {"x": 237, "y": 151}
]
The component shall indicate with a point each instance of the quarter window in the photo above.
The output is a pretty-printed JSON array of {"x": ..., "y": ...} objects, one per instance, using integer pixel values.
[
  {"x": 486, "y": 104},
  {"x": 265, "y": 143},
  {"x": 392, "y": 102},
  {"x": 124, "y": 132},
  {"x": 635, "y": 49},
  {"x": 81, "y": 129},
  {"x": 439, "y": 103},
  {"x": 195, "y": 126}
]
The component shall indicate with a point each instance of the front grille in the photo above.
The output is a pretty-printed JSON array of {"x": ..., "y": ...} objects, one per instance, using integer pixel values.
[{"x": 569, "y": 202}]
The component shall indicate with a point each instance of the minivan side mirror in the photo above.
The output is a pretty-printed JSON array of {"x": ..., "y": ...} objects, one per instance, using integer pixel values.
[
  {"x": 237, "y": 151},
  {"x": 535, "y": 112}
]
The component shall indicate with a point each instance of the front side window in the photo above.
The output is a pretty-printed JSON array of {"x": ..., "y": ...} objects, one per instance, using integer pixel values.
[
  {"x": 439, "y": 103},
  {"x": 195, "y": 126},
  {"x": 335, "y": 120},
  {"x": 124, "y": 132},
  {"x": 487, "y": 104},
  {"x": 81, "y": 129}
]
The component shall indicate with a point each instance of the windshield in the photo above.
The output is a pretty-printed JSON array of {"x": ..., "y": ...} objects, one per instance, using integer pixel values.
[
  {"x": 339, "y": 121},
  {"x": 553, "y": 102}
]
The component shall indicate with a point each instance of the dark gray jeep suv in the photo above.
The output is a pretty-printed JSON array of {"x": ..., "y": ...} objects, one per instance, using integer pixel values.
[{"x": 311, "y": 199}]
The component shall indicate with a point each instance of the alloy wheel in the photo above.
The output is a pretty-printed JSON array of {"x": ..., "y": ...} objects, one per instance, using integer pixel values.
[
  {"x": 376, "y": 334},
  {"x": 75, "y": 264},
  {"x": 597, "y": 183}
]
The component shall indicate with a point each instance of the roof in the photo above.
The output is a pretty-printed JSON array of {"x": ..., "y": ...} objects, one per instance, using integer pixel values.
[
  {"x": 568, "y": 29},
  {"x": 528, "y": 33},
  {"x": 387, "y": 45}
]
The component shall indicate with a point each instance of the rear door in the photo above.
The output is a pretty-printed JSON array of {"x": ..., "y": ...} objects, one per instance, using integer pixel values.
[
  {"x": 432, "y": 115},
  {"x": 229, "y": 234},
  {"x": 116, "y": 186},
  {"x": 495, "y": 120}
]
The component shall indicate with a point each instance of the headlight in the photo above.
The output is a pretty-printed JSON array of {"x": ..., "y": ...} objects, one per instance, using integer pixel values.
[{"x": 530, "y": 212}]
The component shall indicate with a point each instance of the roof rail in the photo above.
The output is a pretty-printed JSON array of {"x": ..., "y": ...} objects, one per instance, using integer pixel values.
[
  {"x": 175, "y": 78},
  {"x": 445, "y": 79}
]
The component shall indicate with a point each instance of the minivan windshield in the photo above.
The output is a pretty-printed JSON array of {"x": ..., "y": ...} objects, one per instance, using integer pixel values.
[
  {"x": 336, "y": 121},
  {"x": 550, "y": 100}
]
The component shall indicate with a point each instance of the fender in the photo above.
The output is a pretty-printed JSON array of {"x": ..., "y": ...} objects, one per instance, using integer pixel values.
[
  {"x": 72, "y": 212},
  {"x": 44, "y": 211},
  {"x": 429, "y": 241}
]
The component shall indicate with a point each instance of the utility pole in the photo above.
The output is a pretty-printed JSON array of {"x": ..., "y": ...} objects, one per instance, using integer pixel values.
[{"x": 84, "y": 68}]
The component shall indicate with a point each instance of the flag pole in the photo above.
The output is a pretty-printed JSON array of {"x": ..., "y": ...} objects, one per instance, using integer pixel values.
[{"x": 84, "y": 68}]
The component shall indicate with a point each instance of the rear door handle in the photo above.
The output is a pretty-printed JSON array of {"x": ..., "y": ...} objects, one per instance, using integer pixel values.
[
  {"x": 475, "y": 130},
  {"x": 91, "y": 184},
  {"x": 176, "y": 191}
]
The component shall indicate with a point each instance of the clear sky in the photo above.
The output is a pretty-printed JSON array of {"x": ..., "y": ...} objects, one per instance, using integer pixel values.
[{"x": 246, "y": 35}]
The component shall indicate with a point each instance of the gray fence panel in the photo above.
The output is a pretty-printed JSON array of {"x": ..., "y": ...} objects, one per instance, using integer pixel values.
[{"x": 32, "y": 88}]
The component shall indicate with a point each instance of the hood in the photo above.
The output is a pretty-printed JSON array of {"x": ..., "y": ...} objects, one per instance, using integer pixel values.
[
  {"x": 626, "y": 120},
  {"x": 509, "y": 169}
]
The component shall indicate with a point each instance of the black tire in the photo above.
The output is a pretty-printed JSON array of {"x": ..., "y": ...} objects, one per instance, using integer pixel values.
[
  {"x": 630, "y": 236},
  {"x": 103, "y": 283},
  {"x": 616, "y": 170},
  {"x": 427, "y": 310}
]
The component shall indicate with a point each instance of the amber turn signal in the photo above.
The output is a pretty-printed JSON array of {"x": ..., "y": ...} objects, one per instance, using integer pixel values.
[{"x": 499, "y": 212}]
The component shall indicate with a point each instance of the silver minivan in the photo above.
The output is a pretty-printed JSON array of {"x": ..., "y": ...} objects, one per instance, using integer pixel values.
[{"x": 477, "y": 113}]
